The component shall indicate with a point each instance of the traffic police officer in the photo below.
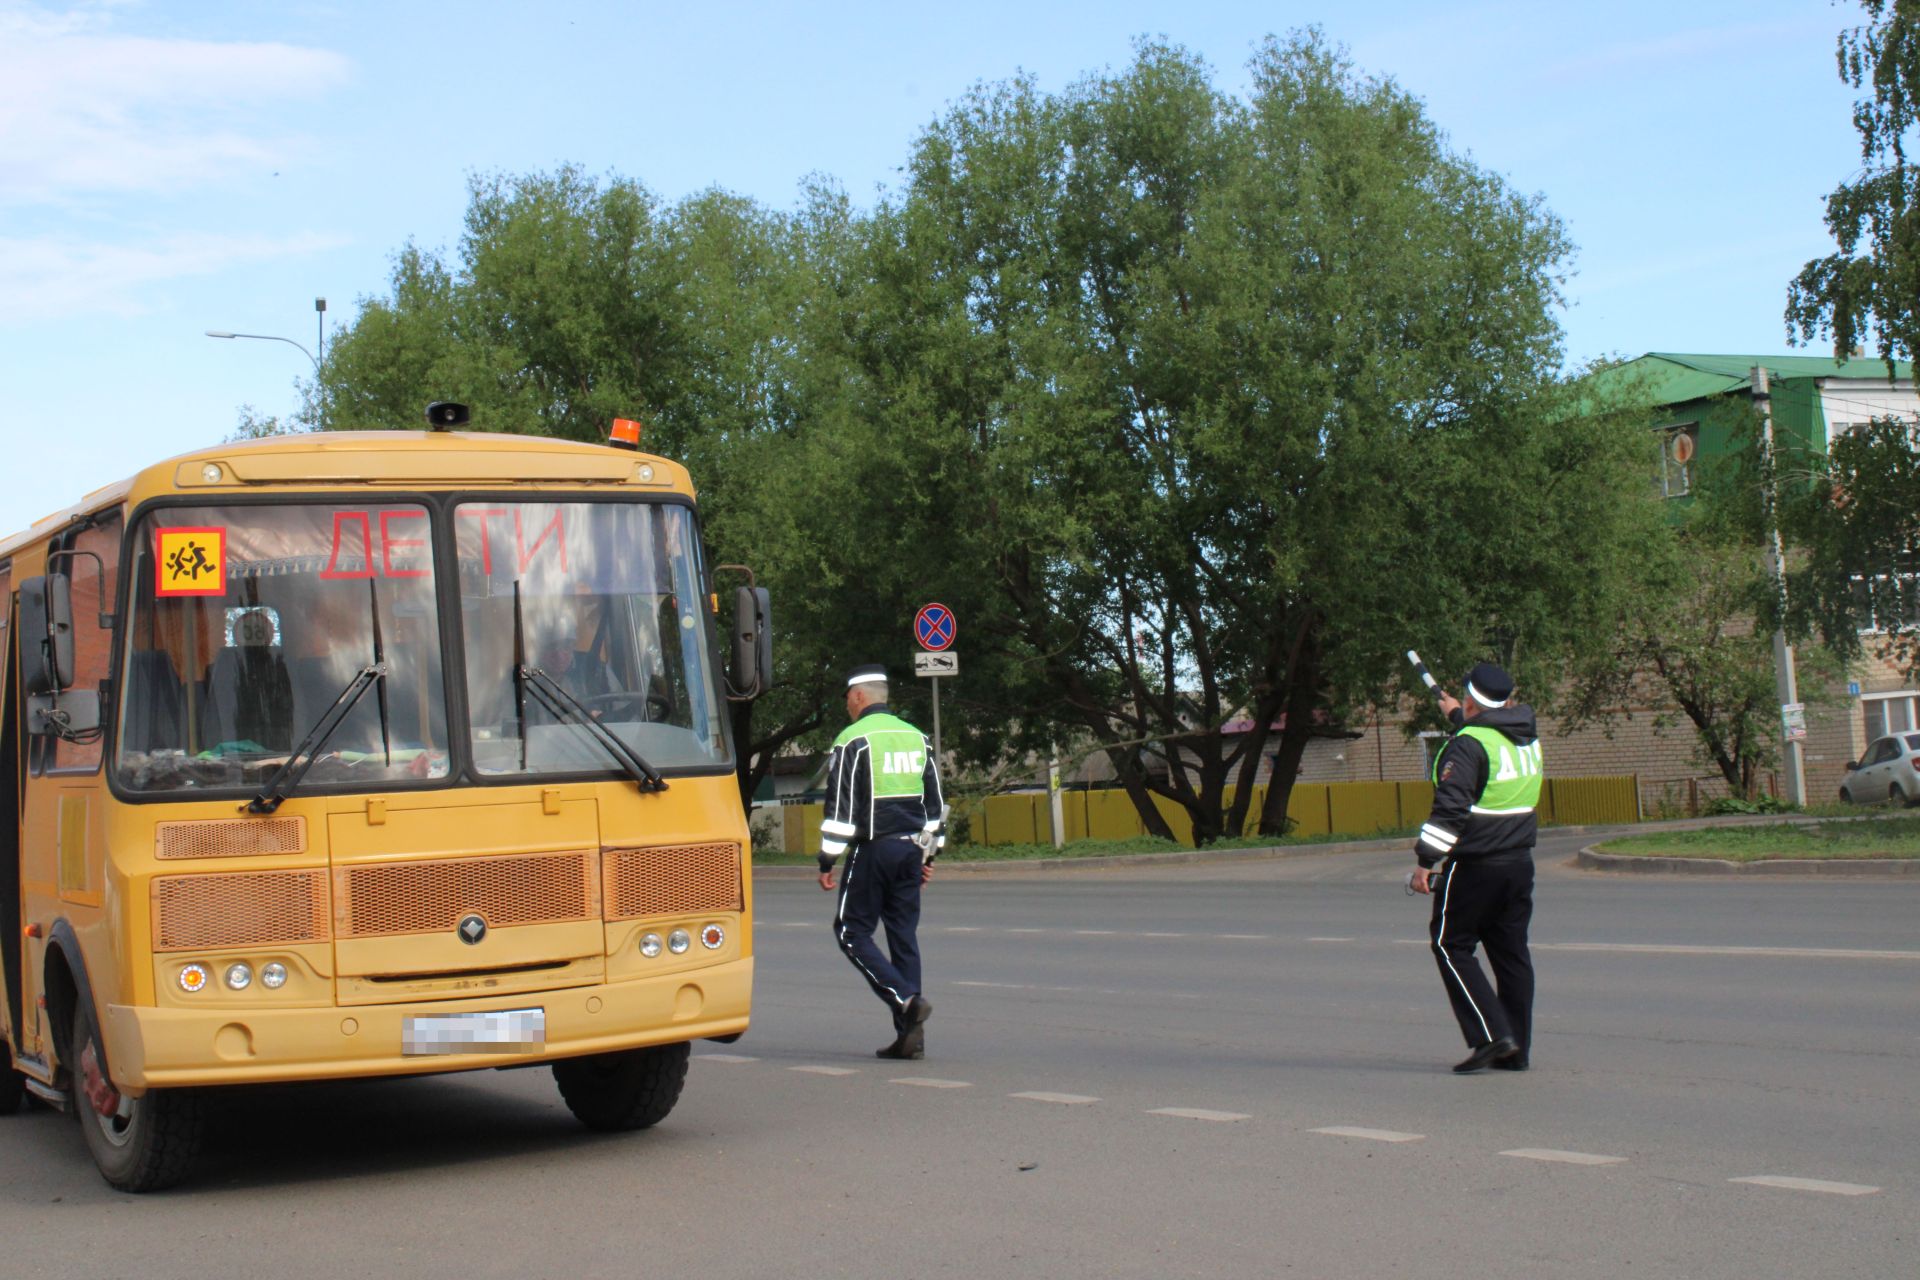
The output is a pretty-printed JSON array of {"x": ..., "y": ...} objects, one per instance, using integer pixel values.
[
  {"x": 885, "y": 813},
  {"x": 1476, "y": 859}
]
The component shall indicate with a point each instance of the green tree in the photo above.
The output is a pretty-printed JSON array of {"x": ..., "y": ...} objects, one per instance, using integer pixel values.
[
  {"x": 1872, "y": 284},
  {"x": 1227, "y": 404},
  {"x": 1687, "y": 645},
  {"x": 571, "y": 301},
  {"x": 1856, "y": 537}
]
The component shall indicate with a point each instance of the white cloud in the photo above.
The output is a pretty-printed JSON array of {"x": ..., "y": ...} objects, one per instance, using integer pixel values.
[
  {"x": 85, "y": 111},
  {"x": 48, "y": 277}
]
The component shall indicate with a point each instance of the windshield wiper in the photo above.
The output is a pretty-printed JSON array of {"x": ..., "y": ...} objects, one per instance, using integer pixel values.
[
  {"x": 288, "y": 776},
  {"x": 564, "y": 707}
]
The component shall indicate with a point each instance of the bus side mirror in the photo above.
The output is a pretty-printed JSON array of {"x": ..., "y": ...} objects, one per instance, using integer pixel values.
[
  {"x": 46, "y": 661},
  {"x": 752, "y": 671},
  {"x": 46, "y": 633}
]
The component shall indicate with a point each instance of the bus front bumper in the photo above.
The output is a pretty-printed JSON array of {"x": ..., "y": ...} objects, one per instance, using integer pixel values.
[{"x": 152, "y": 1048}]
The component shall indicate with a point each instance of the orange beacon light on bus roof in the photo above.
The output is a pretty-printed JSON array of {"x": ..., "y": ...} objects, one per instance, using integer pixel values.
[{"x": 624, "y": 434}]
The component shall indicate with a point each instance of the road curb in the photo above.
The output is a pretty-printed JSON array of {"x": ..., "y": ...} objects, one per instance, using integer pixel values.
[
  {"x": 1269, "y": 853},
  {"x": 1592, "y": 859}
]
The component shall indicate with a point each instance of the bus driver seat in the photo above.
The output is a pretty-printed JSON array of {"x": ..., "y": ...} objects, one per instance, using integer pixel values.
[{"x": 249, "y": 696}]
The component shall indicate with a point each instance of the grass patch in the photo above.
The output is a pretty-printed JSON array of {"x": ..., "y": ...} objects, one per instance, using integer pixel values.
[
  {"x": 1868, "y": 838},
  {"x": 1098, "y": 848}
]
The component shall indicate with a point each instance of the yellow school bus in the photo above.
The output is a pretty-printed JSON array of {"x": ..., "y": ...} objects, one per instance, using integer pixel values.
[{"x": 368, "y": 754}]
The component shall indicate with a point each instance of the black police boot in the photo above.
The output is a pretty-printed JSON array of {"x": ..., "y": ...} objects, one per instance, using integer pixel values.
[
  {"x": 910, "y": 1045},
  {"x": 1486, "y": 1055}
]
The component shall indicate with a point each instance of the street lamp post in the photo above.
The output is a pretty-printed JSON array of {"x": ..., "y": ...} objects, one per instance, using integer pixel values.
[{"x": 268, "y": 337}]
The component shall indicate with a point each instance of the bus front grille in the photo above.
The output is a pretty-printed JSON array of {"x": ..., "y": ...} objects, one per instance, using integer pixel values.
[
  {"x": 239, "y": 909},
  {"x": 675, "y": 879},
  {"x": 229, "y": 837},
  {"x": 433, "y": 896}
]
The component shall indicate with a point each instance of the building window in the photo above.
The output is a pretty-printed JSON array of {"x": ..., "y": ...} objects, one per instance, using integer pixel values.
[
  {"x": 1887, "y": 601},
  {"x": 1889, "y": 713},
  {"x": 1432, "y": 743},
  {"x": 1677, "y": 447}
]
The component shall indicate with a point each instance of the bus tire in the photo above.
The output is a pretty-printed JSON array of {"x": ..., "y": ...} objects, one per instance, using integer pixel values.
[
  {"x": 151, "y": 1142},
  {"x": 616, "y": 1092}
]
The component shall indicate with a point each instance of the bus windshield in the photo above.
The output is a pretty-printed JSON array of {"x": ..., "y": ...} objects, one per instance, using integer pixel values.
[
  {"x": 604, "y": 600},
  {"x": 248, "y": 622}
]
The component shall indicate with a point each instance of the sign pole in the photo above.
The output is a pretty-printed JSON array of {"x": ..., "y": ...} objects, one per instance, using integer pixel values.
[
  {"x": 936, "y": 717},
  {"x": 1055, "y": 810}
]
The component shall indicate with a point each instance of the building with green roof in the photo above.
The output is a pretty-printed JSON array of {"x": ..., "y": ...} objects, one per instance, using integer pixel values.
[{"x": 1701, "y": 405}]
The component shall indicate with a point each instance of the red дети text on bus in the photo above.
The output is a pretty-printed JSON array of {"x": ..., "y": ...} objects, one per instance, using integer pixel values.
[
  {"x": 556, "y": 528},
  {"x": 356, "y": 527},
  {"x": 343, "y": 521}
]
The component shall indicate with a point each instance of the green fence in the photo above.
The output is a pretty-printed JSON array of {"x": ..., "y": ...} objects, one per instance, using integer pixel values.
[{"x": 1316, "y": 808}]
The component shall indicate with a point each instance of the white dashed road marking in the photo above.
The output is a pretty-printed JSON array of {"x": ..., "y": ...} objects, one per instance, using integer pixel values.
[
  {"x": 929, "y": 1082},
  {"x": 1562, "y": 1157},
  {"x": 1329, "y": 939},
  {"x": 826, "y": 1071},
  {"x": 723, "y": 1057},
  {"x": 1096, "y": 933},
  {"x": 1372, "y": 1135},
  {"x": 1064, "y": 1099},
  {"x": 1810, "y": 1184},
  {"x": 1200, "y": 1113},
  {"x": 1163, "y": 935},
  {"x": 1676, "y": 949}
]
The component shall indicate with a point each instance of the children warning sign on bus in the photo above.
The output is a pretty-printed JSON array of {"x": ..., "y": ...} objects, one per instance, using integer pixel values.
[{"x": 191, "y": 562}]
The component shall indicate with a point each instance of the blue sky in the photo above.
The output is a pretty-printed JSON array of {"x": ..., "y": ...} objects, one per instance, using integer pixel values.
[{"x": 168, "y": 168}]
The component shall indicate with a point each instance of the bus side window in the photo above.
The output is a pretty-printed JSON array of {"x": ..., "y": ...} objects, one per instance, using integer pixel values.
[{"x": 93, "y": 595}]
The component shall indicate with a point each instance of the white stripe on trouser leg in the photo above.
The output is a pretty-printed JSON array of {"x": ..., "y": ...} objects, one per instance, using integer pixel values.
[
  {"x": 1439, "y": 945},
  {"x": 846, "y": 941}
]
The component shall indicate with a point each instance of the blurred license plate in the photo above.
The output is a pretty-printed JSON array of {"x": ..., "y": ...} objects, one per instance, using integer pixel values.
[{"x": 499, "y": 1031}]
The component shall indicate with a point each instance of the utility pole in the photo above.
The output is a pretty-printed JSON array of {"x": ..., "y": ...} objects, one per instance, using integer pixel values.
[{"x": 1783, "y": 675}]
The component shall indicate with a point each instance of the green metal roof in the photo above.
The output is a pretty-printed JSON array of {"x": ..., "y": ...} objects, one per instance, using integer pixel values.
[{"x": 1665, "y": 377}]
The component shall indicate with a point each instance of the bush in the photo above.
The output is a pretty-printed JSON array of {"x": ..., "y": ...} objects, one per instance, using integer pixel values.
[{"x": 1760, "y": 804}]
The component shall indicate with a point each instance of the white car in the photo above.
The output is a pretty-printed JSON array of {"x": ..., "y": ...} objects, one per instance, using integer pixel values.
[{"x": 1889, "y": 771}]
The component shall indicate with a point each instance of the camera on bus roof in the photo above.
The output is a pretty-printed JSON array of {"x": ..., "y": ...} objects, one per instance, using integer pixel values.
[{"x": 443, "y": 415}]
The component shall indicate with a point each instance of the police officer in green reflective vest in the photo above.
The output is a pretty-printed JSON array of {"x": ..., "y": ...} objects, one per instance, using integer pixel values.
[
  {"x": 885, "y": 813},
  {"x": 1476, "y": 859}
]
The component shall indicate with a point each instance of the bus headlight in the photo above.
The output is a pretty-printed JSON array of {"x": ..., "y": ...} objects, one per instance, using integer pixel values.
[
  {"x": 273, "y": 976},
  {"x": 678, "y": 942},
  {"x": 240, "y": 975},
  {"x": 649, "y": 945}
]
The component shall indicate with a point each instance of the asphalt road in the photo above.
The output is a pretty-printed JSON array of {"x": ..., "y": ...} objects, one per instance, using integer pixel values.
[{"x": 1131, "y": 1073}]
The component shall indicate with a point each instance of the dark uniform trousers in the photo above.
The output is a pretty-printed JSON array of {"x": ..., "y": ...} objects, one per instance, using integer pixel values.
[
  {"x": 880, "y": 885},
  {"x": 1487, "y": 902}
]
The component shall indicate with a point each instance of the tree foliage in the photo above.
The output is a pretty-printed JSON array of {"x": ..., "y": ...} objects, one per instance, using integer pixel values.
[
  {"x": 1197, "y": 410},
  {"x": 572, "y": 301},
  {"x": 1856, "y": 532},
  {"x": 1872, "y": 284},
  {"x": 1232, "y": 402}
]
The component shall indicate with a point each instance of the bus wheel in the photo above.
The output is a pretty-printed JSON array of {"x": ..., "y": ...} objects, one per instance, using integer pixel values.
[
  {"x": 13, "y": 1085},
  {"x": 139, "y": 1144},
  {"x": 618, "y": 1091}
]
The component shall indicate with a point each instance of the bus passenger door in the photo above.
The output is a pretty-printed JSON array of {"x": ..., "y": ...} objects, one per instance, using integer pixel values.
[{"x": 11, "y": 779}]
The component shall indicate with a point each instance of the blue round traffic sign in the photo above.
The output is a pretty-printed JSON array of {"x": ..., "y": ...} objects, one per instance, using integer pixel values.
[{"x": 934, "y": 627}]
